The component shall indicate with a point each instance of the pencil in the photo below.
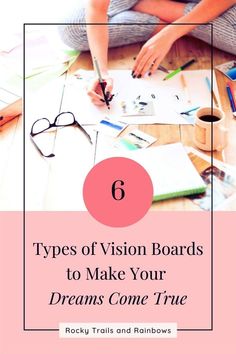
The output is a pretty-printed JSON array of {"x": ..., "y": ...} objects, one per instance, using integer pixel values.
[
  {"x": 184, "y": 66},
  {"x": 101, "y": 82},
  {"x": 211, "y": 91},
  {"x": 184, "y": 84}
]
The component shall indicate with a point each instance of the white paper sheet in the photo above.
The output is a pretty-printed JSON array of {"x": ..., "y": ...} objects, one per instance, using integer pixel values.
[{"x": 168, "y": 96}]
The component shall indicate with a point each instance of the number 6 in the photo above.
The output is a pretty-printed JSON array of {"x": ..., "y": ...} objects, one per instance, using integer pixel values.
[{"x": 115, "y": 190}]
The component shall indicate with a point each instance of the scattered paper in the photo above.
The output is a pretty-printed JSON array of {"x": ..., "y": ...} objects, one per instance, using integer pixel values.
[
  {"x": 220, "y": 181},
  {"x": 228, "y": 69},
  {"x": 167, "y": 97},
  {"x": 134, "y": 140},
  {"x": 110, "y": 127}
]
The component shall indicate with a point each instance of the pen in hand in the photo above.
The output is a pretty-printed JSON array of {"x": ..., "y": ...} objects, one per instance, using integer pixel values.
[{"x": 102, "y": 83}]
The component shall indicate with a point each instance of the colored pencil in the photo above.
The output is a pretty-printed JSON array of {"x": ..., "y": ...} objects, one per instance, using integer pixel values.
[
  {"x": 211, "y": 91},
  {"x": 233, "y": 90},
  {"x": 231, "y": 100},
  {"x": 186, "y": 91}
]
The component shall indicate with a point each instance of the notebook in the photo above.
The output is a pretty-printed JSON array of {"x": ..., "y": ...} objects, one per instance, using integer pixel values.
[{"x": 171, "y": 171}]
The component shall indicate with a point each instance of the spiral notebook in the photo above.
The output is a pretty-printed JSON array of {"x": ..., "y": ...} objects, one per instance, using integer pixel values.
[{"x": 171, "y": 171}]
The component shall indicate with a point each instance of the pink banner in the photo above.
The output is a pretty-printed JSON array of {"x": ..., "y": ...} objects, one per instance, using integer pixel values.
[{"x": 153, "y": 271}]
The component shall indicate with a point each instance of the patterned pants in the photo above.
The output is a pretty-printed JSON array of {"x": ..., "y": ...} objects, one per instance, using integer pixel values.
[{"x": 127, "y": 26}]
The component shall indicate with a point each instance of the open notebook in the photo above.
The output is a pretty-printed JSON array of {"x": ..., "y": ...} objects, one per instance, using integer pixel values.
[{"x": 171, "y": 170}]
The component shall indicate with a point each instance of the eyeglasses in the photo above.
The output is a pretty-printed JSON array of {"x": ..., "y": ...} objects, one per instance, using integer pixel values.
[{"x": 63, "y": 119}]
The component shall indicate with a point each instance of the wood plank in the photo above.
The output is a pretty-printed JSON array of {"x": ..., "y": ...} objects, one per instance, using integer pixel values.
[{"x": 165, "y": 134}]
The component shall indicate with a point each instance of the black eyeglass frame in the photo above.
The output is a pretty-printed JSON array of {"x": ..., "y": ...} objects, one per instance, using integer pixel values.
[{"x": 56, "y": 125}]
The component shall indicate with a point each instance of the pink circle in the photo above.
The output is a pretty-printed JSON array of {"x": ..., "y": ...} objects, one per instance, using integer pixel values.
[{"x": 118, "y": 192}]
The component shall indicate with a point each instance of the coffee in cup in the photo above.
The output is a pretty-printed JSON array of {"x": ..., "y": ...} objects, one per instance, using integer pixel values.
[{"x": 209, "y": 131}]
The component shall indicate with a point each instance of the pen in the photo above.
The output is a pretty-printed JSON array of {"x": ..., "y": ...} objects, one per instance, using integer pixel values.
[
  {"x": 231, "y": 100},
  {"x": 101, "y": 82},
  {"x": 173, "y": 73},
  {"x": 190, "y": 110},
  {"x": 211, "y": 90}
]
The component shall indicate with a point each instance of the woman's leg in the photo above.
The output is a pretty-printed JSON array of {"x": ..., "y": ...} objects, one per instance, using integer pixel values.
[
  {"x": 130, "y": 27},
  {"x": 224, "y": 27},
  {"x": 125, "y": 26},
  {"x": 166, "y": 10},
  {"x": 224, "y": 30}
]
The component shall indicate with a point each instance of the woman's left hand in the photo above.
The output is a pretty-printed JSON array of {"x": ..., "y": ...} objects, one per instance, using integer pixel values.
[{"x": 152, "y": 53}]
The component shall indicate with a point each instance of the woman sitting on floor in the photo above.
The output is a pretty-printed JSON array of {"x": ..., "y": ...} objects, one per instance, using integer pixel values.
[{"x": 135, "y": 21}]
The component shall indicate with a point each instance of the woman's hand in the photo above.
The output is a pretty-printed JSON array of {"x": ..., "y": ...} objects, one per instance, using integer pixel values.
[
  {"x": 94, "y": 91},
  {"x": 152, "y": 53}
]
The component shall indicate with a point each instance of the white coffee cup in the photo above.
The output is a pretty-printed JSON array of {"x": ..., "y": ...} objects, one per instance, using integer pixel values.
[{"x": 209, "y": 130}]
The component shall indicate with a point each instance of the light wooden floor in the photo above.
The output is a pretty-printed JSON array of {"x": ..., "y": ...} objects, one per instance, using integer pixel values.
[{"x": 56, "y": 184}]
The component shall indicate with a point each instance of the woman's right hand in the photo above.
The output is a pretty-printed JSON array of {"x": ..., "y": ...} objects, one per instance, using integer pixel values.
[{"x": 94, "y": 90}]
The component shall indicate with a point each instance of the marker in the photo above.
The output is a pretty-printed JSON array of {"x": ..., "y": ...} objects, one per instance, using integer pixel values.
[
  {"x": 231, "y": 100},
  {"x": 179, "y": 69},
  {"x": 212, "y": 92},
  {"x": 101, "y": 82}
]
